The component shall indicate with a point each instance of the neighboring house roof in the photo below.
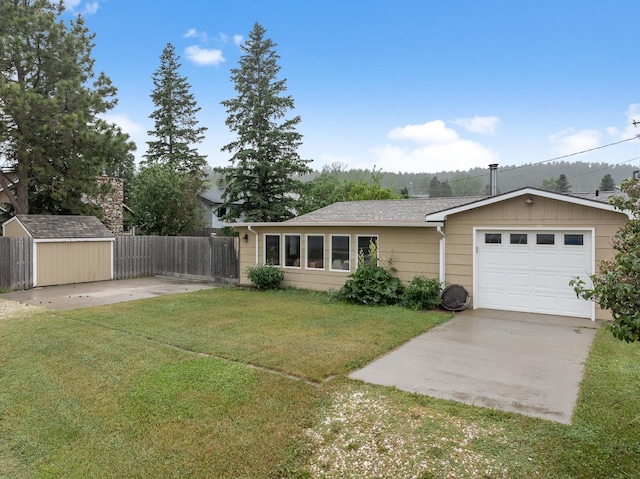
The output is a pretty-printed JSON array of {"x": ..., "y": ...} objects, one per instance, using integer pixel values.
[
  {"x": 63, "y": 226},
  {"x": 213, "y": 196},
  {"x": 423, "y": 212}
]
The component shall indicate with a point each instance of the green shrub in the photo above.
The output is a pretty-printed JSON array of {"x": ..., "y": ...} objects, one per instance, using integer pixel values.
[
  {"x": 422, "y": 293},
  {"x": 265, "y": 277},
  {"x": 372, "y": 285}
]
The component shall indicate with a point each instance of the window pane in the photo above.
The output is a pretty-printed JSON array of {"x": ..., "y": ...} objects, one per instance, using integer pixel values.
[
  {"x": 574, "y": 240},
  {"x": 518, "y": 238},
  {"x": 493, "y": 238},
  {"x": 292, "y": 250},
  {"x": 340, "y": 252},
  {"x": 364, "y": 246},
  {"x": 272, "y": 250},
  {"x": 315, "y": 251},
  {"x": 546, "y": 238}
]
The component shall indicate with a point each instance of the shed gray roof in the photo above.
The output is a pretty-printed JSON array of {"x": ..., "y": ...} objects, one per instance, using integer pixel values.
[{"x": 64, "y": 226}]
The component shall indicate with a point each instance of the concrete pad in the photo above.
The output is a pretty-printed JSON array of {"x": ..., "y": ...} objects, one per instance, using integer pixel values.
[
  {"x": 526, "y": 363},
  {"x": 84, "y": 295}
]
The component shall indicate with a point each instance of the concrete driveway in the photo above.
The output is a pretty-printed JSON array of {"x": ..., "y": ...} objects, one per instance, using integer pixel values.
[
  {"x": 526, "y": 363},
  {"x": 84, "y": 295}
]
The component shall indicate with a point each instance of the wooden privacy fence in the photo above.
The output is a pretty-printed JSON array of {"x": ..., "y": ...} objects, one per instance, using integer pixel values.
[
  {"x": 16, "y": 263},
  {"x": 213, "y": 258}
]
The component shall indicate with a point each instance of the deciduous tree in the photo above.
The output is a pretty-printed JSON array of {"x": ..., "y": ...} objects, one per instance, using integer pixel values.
[
  {"x": 52, "y": 135},
  {"x": 263, "y": 180},
  {"x": 163, "y": 201},
  {"x": 615, "y": 285}
]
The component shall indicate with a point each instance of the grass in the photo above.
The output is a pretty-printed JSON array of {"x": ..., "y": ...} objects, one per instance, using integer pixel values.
[{"x": 162, "y": 388}]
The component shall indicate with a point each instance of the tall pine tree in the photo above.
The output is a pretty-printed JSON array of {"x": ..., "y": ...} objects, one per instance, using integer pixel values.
[
  {"x": 51, "y": 134},
  {"x": 263, "y": 182},
  {"x": 176, "y": 126}
]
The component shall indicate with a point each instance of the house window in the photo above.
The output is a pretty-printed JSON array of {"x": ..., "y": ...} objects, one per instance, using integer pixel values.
[
  {"x": 518, "y": 238},
  {"x": 364, "y": 247},
  {"x": 292, "y": 251},
  {"x": 493, "y": 238},
  {"x": 272, "y": 249},
  {"x": 340, "y": 246},
  {"x": 315, "y": 251},
  {"x": 574, "y": 240},
  {"x": 545, "y": 238},
  {"x": 220, "y": 212}
]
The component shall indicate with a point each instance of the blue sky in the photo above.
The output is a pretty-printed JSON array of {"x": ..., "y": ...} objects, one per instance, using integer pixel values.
[{"x": 405, "y": 85}]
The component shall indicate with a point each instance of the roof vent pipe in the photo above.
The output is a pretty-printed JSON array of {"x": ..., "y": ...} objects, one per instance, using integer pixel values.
[{"x": 493, "y": 179}]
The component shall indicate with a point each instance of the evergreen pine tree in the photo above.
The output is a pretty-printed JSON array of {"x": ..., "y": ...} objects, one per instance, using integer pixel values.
[
  {"x": 176, "y": 126},
  {"x": 562, "y": 184},
  {"x": 52, "y": 136},
  {"x": 607, "y": 183},
  {"x": 263, "y": 180},
  {"x": 166, "y": 197}
]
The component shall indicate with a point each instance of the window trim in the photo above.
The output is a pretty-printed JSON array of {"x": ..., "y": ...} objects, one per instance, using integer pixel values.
[
  {"x": 306, "y": 263},
  {"x": 284, "y": 250},
  {"x": 538, "y": 238},
  {"x": 357, "y": 249},
  {"x": 264, "y": 255},
  {"x": 331, "y": 260}
]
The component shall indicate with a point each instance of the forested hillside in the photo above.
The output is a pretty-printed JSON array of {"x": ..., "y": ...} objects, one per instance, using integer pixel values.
[{"x": 581, "y": 177}]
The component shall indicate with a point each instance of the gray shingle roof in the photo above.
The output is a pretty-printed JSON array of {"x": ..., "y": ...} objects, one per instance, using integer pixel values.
[
  {"x": 412, "y": 210},
  {"x": 406, "y": 211},
  {"x": 64, "y": 226}
]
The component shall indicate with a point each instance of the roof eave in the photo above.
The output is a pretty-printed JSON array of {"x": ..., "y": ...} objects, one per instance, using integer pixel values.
[{"x": 301, "y": 224}]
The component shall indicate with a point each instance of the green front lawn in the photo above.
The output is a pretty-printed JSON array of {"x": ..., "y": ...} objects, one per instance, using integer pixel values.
[{"x": 164, "y": 388}]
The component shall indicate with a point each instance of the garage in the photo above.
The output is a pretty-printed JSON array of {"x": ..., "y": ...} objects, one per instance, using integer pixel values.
[{"x": 530, "y": 270}]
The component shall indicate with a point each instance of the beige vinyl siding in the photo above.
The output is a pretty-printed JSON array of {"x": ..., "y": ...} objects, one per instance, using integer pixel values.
[
  {"x": 14, "y": 229},
  {"x": 73, "y": 262},
  {"x": 515, "y": 213},
  {"x": 411, "y": 251}
]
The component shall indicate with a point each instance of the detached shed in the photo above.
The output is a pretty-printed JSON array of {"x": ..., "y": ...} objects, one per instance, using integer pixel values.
[{"x": 66, "y": 249}]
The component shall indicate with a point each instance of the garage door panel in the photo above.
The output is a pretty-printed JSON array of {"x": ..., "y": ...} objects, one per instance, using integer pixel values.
[{"x": 532, "y": 277}]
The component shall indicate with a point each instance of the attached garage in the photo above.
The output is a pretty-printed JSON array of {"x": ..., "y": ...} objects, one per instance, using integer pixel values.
[
  {"x": 66, "y": 249},
  {"x": 530, "y": 270}
]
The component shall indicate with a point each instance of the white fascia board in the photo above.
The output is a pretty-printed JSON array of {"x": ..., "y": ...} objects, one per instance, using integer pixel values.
[
  {"x": 335, "y": 224},
  {"x": 442, "y": 215},
  {"x": 71, "y": 240}
]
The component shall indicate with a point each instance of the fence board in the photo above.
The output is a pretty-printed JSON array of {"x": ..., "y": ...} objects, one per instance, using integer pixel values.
[
  {"x": 16, "y": 263},
  {"x": 212, "y": 258}
]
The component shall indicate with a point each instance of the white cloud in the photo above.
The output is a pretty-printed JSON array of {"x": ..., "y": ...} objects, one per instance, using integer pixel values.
[
  {"x": 438, "y": 148},
  {"x": 431, "y": 132},
  {"x": 571, "y": 141},
  {"x": 485, "y": 125},
  {"x": 632, "y": 114},
  {"x": 204, "y": 56},
  {"x": 193, "y": 33},
  {"x": 238, "y": 39},
  {"x": 91, "y": 8},
  {"x": 128, "y": 126},
  {"x": 71, "y": 4}
]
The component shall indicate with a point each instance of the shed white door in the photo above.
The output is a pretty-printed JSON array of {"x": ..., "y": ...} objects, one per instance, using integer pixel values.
[{"x": 530, "y": 270}]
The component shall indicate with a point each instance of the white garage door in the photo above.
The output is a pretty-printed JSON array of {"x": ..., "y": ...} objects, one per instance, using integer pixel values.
[{"x": 530, "y": 270}]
